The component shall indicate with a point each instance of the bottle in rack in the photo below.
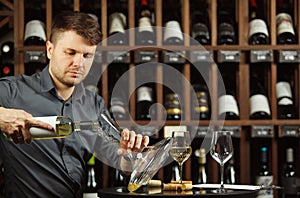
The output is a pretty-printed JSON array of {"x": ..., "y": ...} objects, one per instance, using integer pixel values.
[
  {"x": 7, "y": 52},
  {"x": 117, "y": 24},
  {"x": 172, "y": 32},
  {"x": 259, "y": 104},
  {"x": 91, "y": 182},
  {"x": 284, "y": 23},
  {"x": 173, "y": 106},
  {"x": 227, "y": 103},
  {"x": 226, "y": 24},
  {"x": 145, "y": 34},
  {"x": 202, "y": 173},
  {"x": 258, "y": 31},
  {"x": 35, "y": 29},
  {"x": 199, "y": 22},
  {"x": 285, "y": 103},
  {"x": 144, "y": 100},
  {"x": 289, "y": 176},
  {"x": 201, "y": 107},
  {"x": 264, "y": 176}
]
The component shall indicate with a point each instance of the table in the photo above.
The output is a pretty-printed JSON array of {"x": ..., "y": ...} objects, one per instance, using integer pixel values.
[{"x": 149, "y": 192}]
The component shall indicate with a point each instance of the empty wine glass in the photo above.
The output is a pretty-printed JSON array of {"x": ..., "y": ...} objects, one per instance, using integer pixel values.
[
  {"x": 221, "y": 150},
  {"x": 180, "y": 149}
]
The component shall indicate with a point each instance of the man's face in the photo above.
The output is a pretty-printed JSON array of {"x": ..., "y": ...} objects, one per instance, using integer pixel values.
[{"x": 71, "y": 58}]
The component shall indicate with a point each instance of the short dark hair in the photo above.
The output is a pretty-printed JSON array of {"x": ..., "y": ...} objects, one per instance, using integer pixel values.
[{"x": 82, "y": 23}]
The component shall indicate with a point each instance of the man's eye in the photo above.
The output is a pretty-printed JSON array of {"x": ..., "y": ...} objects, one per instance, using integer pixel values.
[
  {"x": 70, "y": 53},
  {"x": 88, "y": 55}
]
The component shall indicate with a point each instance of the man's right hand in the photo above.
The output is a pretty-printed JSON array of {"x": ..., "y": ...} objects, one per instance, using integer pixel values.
[{"x": 16, "y": 123}]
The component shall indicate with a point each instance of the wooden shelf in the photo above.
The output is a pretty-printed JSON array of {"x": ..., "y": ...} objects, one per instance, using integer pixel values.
[{"x": 243, "y": 71}]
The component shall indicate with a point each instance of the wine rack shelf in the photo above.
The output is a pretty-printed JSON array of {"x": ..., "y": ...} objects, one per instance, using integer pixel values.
[{"x": 284, "y": 132}]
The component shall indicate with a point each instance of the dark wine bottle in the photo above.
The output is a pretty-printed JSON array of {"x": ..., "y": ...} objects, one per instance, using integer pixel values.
[
  {"x": 289, "y": 176},
  {"x": 227, "y": 103},
  {"x": 259, "y": 104},
  {"x": 145, "y": 35},
  {"x": 144, "y": 101},
  {"x": 172, "y": 32},
  {"x": 201, "y": 104},
  {"x": 7, "y": 52},
  {"x": 226, "y": 24},
  {"x": 285, "y": 103},
  {"x": 264, "y": 176},
  {"x": 117, "y": 23},
  {"x": 202, "y": 173},
  {"x": 91, "y": 182},
  {"x": 118, "y": 108},
  {"x": 35, "y": 33},
  {"x": 258, "y": 31},
  {"x": 173, "y": 106},
  {"x": 200, "y": 24},
  {"x": 285, "y": 29}
]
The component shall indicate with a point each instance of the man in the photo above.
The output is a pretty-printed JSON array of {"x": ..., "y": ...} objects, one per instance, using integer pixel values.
[{"x": 55, "y": 167}]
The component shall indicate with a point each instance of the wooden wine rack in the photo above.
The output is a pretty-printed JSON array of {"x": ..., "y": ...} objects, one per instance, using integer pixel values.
[{"x": 280, "y": 137}]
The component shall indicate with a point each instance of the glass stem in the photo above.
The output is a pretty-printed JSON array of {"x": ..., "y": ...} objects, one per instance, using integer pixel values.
[
  {"x": 180, "y": 173},
  {"x": 222, "y": 177}
]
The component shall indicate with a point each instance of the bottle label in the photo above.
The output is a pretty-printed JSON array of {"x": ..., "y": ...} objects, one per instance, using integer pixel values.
[
  {"x": 227, "y": 103},
  {"x": 201, "y": 104},
  {"x": 257, "y": 26},
  {"x": 266, "y": 181},
  {"x": 284, "y": 24},
  {"x": 117, "y": 22},
  {"x": 39, "y": 133},
  {"x": 145, "y": 25},
  {"x": 173, "y": 30},
  {"x": 290, "y": 185},
  {"x": 35, "y": 28},
  {"x": 144, "y": 94},
  {"x": 258, "y": 103},
  {"x": 283, "y": 91}
]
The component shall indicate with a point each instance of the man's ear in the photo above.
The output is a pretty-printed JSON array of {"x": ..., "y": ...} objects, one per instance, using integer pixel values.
[{"x": 49, "y": 49}]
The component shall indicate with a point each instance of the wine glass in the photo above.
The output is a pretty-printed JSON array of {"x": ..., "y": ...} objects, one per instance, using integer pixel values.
[
  {"x": 221, "y": 150},
  {"x": 180, "y": 149}
]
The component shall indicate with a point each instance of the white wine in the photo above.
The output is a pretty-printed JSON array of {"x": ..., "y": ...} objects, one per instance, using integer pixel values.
[
  {"x": 63, "y": 127},
  {"x": 181, "y": 154}
]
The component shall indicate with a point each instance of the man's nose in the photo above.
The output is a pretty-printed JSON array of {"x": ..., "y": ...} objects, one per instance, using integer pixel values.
[{"x": 78, "y": 59}]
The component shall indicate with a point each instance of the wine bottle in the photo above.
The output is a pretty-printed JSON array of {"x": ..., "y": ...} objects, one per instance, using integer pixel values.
[
  {"x": 258, "y": 31},
  {"x": 117, "y": 108},
  {"x": 173, "y": 106},
  {"x": 172, "y": 32},
  {"x": 202, "y": 173},
  {"x": 285, "y": 103},
  {"x": 230, "y": 173},
  {"x": 227, "y": 103},
  {"x": 264, "y": 176},
  {"x": 91, "y": 182},
  {"x": 200, "y": 24},
  {"x": 144, "y": 101},
  {"x": 289, "y": 176},
  {"x": 201, "y": 105},
  {"x": 259, "y": 104},
  {"x": 285, "y": 29},
  {"x": 117, "y": 24},
  {"x": 145, "y": 35},
  {"x": 226, "y": 24},
  {"x": 35, "y": 33},
  {"x": 7, "y": 63}
]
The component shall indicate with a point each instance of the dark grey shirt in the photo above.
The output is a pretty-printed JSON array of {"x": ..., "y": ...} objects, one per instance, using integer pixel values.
[{"x": 52, "y": 167}]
